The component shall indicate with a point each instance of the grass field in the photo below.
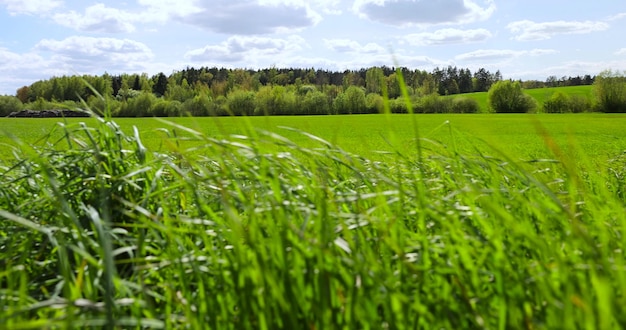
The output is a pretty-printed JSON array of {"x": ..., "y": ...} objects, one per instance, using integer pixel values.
[
  {"x": 599, "y": 136},
  {"x": 113, "y": 228}
]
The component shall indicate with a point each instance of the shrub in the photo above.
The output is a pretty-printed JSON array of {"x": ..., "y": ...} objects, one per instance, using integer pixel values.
[
  {"x": 507, "y": 96},
  {"x": 580, "y": 104},
  {"x": 434, "y": 103},
  {"x": 159, "y": 109},
  {"x": 464, "y": 105},
  {"x": 610, "y": 88},
  {"x": 241, "y": 103},
  {"x": 398, "y": 105},
  {"x": 9, "y": 104},
  {"x": 102, "y": 105},
  {"x": 138, "y": 106},
  {"x": 197, "y": 106},
  {"x": 274, "y": 100},
  {"x": 557, "y": 103},
  {"x": 374, "y": 103},
  {"x": 315, "y": 103},
  {"x": 351, "y": 101},
  {"x": 563, "y": 103}
]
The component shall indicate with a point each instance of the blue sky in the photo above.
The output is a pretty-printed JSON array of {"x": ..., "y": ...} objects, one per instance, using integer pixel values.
[{"x": 524, "y": 39}]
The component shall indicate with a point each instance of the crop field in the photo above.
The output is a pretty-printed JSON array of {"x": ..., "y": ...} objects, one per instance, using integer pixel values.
[{"x": 478, "y": 221}]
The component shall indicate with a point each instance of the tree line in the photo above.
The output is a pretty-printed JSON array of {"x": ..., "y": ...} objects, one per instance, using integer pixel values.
[{"x": 272, "y": 91}]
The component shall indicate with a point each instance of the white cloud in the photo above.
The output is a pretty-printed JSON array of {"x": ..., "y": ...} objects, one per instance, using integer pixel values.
[
  {"x": 570, "y": 68},
  {"x": 15, "y": 7},
  {"x": 98, "y": 18},
  {"x": 616, "y": 17},
  {"x": 249, "y": 48},
  {"x": 622, "y": 51},
  {"x": 360, "y": 62},
  {"x": 330, "y": 7},
  {"x": 500, "y": 54},
  {"x": 447, "y": 36},
  {"x": 528, "y": 30},
  {"x": 423, "y": 12},
  {"x": 87, "y": 54},
  {"x": 251, "y": 17},
  {"x": 350, "y": 46},
  {"x": 23, "y": 69},
  {"x": 163, "y": 10}
]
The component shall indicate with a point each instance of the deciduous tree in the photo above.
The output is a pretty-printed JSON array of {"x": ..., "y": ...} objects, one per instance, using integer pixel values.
[{"x": 508, "y": 97}]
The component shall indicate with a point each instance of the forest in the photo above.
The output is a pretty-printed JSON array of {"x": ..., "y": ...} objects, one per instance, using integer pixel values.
[{"x": 272, "y": 91}]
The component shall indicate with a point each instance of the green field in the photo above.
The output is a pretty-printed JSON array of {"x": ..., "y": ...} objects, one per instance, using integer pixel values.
[
  {"x": 484, "y": 222},
  {"x": 599, "y": 136}
]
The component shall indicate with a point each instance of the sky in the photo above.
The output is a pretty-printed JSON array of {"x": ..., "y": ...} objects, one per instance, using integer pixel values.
[{"x": 524, "y": 39}]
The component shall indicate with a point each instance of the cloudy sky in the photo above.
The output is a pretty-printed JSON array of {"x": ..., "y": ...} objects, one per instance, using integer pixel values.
[{"x": 527, "y": 39}]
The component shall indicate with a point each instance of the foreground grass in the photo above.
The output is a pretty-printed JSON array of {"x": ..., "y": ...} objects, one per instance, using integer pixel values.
[{"x": 103, "y": 231}]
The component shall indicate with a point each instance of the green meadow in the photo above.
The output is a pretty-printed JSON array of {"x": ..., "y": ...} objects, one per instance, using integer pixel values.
[
  {"x": 522, "y": 136},
  {"x": 480, "y": 221}
]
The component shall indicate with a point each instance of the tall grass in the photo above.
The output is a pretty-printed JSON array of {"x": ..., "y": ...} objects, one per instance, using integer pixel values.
[{"x": 108, "y": 233}]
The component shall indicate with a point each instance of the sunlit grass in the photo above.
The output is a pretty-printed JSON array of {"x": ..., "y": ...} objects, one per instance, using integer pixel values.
[{"x": 239, "y": 227}]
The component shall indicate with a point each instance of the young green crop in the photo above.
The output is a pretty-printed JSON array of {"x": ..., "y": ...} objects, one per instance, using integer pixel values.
[{"x": 205, "y": 229}]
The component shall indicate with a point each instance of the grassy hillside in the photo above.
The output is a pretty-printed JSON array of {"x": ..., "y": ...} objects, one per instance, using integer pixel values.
[{"x": 539, "y": 94}]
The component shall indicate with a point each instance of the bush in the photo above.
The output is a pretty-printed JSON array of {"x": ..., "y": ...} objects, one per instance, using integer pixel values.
[
  {"x": 434, "y": 103},
  {"x": 562, "y": 103},
  {"x": 374, "y": 103},
  {"x": 102, "y": 105},
  {"x": 275, "y": 100},
  {"x": 315, "y": 103},
  {"x": 159, "y": 109},
  {"x": 610, "y": 89},
  {"x": 464, "y": 105},
  {"x": 580, "y": 104},
  {"x": 241, "y": 103},
  {"x": 557, "y": 103},
  {"x": 398, "y": 105},
  {"x": 507, "y": 96},
  {"x": 138, "y": 106},
  {"x": 9, "y": 104},
  {"x": 351, "y": 101},
  {"x": 197, "y": 106}
]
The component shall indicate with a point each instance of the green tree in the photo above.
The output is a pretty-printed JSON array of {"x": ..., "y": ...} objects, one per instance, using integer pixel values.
[
  {"x": 138, "y": 106},
  {"x": 508, "y": 97},
  {"x": 180, "y": 93},
  {"x": 465, "y": 81},
  {"x": 393, "y": 86},
  {"x": 275, "y": 100},
  {"x": 351, "y": 101},
  {"x": 241, "y": 103},
  {"x": 374, "y": 103},
  {"x": 200, "y": 105},
  {"x": 482, "y": 80},
  {"x": 610, "y": 88},
  {"x": 9, "y": 104},
  {"x": 315, "y": 103},
  {"x": 160, "y": 85},
  {"x": 374, "y": 80},
  {"x": 428, "y": 86}
]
